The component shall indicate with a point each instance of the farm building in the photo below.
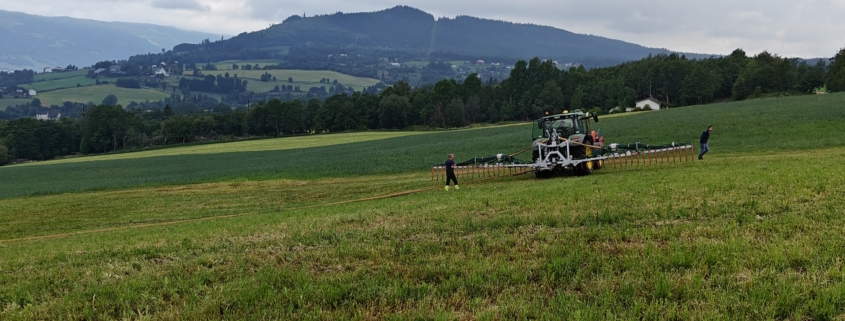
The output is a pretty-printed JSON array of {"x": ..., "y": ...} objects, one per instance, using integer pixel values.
[
  {"x": 650, "y": 104},
  {"x": 162, "y": 72},
  {"x": 32, "y": 92},
  {"x": 48, "y": 69}
]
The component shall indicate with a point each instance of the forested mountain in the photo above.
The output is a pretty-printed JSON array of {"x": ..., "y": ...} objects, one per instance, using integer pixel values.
[
  {"x": 413, "y": 34},
  {"x": 34, "y": 42}
]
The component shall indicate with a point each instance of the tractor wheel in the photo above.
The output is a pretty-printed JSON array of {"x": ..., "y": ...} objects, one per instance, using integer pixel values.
[
  {"x": 579, "y": 151},
  {"x": 543, "y": 174},
  {"x": 585, "y": 168}
]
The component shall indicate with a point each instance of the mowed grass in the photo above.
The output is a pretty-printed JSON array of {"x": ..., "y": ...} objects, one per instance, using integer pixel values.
[
  {"x": 97, "y": 93},
  {"x": 733, "y": 237}
]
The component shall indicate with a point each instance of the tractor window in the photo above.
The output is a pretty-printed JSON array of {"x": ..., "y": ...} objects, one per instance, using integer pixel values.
[{"x": 565, "y": 127}]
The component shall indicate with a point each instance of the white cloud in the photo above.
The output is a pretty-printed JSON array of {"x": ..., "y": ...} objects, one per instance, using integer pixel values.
[
  {"x": 180, "y": 4},
  {"x": 809, "y": 28}
]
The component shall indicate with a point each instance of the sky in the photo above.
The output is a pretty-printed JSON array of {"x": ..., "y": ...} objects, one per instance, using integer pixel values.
[{"x": 805, "y": 28}]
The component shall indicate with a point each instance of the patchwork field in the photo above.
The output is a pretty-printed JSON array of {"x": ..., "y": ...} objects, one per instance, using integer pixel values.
[
  {"x": 53, "y": 81},
  {"x": 59, "y": 75},
  {"x": 301, "y": 228},
  {"x": 97, "y": 93},
  {"x": 303, "y": 78}
]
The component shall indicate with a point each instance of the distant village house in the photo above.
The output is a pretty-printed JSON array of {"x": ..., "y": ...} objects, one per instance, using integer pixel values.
[
  {"x": 162, "y": 72},
  {"x": 46, "y": 116},
  {"x": 648, "y": 104}
]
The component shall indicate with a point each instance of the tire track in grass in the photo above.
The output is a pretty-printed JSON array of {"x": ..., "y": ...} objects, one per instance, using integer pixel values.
[{"x": 210, "y": 218}]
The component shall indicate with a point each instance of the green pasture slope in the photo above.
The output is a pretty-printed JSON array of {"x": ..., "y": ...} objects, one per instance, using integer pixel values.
[
  {"x": 303, "y": 78},
  {"x": 54, "y": 81},
  {"x": 752, "y": 232},
  {"x": 59, "y": 75},
  {"x": 6, "y": 102},
  {"x": 97, "y": 93}
]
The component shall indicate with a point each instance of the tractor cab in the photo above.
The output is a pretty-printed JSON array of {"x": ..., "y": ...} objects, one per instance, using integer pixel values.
[{"x": 572, "y": 126}]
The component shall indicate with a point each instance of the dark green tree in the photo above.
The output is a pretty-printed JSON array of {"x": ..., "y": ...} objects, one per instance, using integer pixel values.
[
  {"x": 835, "y": 80},
  {"x": 110, "y": 100},
  {"x": 292, "y": 116},
  {"x": 454, "y": 114},
  {"x": 699, "y": 85},
  {"x": 4, "y": 155},
  {"x": 393, "y": 112},
  {"x": 549, "y": 100},
  {"x": 577, "y": 98},
  {"x": 105, "y": 127}
]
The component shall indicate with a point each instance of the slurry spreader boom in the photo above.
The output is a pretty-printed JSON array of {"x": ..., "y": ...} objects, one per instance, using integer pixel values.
[{"x": 564, "y": 143}]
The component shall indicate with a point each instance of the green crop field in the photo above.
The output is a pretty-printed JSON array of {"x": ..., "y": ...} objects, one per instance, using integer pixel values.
[
  {"x": 97, "y": 93},
  {"x": 298, "y": 228},
  {"x": 63, "y": 83},
  {"x": 60, "y": 75}
]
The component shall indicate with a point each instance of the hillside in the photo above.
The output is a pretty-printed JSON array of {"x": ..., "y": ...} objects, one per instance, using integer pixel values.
[
  {"x": 311, "y": 228},
  {"x": 34, "y": 42},
  {"x": 412, "y": 33},
  {"x": 740, "y": 127}
]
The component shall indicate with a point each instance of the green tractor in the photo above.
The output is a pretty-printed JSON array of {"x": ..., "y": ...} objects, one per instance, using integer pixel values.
[{"x": 564, "y": 142}]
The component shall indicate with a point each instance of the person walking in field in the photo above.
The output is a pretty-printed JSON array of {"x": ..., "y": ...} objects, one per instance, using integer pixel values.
[
  {"x": 704, "y": 146},
  {"x": 450, "y": 172}
]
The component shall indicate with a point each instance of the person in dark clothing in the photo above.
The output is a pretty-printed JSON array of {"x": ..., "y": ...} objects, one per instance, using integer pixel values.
[
  {"x": 450, "y": 172},
  {"x": 704, "y": 146}
]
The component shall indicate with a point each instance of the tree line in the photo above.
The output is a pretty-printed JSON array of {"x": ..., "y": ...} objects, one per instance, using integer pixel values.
[{"x": 533, "y": 88}]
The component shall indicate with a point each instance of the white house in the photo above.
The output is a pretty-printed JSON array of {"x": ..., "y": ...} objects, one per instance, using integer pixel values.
[
  {"x": 42, "y": 116},
  {"x": 48, "y": 69},
  {"x": 162, "y": 72},
  {"x": 649, "y": 104},
  {"x": 32, "y": 92}
]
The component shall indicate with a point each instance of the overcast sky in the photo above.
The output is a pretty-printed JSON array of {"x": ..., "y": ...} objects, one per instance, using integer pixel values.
[{"x": 803, "y": 28}]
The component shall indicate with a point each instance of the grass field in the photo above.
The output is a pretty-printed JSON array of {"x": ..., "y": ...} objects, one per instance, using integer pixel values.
[
  {"x": 97, "y": 93},
  {"x": 5, "y": 102},
  {"x": 752, "y": 232},
  {"x": 62, "y": 82},
  {"x": 60, "y": 75},
  {"x": 303, "y": 78}
]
